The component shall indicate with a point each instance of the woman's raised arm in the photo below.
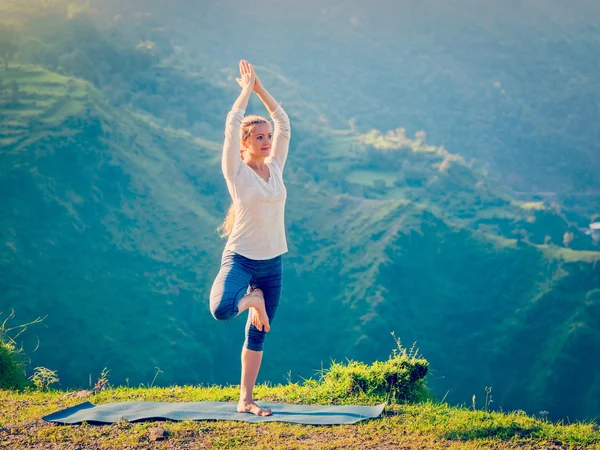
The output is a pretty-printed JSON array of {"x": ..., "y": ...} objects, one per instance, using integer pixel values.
[
  {"x": 231, "y": 160},
  {"x": 281, "y": 136}
]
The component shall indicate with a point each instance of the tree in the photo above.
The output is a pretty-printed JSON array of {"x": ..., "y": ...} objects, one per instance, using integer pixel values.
[{"x": 8, "y": 43}]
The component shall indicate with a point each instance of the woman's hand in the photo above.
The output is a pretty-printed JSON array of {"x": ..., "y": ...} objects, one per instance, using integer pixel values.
[
  {"x": 246, "y": 70},
  {"x": 257, "y": 85},
  {"x": 248, "y": 77}
]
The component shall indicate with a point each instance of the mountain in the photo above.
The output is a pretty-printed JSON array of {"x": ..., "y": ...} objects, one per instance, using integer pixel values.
[{"x": 511, "y": 84}]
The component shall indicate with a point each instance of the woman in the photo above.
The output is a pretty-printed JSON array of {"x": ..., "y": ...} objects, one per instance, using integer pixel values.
[{"x": 251, "y": 267}]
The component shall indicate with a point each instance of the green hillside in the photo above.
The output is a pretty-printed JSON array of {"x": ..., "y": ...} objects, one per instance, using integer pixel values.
[
  {"x": 105, "y": 226},
  {"x": 463, "y": 271},
  {"x": 125, "y": 231}
]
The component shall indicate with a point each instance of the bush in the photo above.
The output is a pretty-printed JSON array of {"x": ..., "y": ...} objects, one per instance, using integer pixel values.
[
  {"x": 12, "y": 359},
  {"x": 12, "y": 367},
  {"x": 399, "y": 379},
  {"x": 43, "y": 378}
]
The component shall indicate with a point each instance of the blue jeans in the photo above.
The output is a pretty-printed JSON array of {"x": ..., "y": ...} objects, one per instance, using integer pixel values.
[{"x": 236, "y": 276}]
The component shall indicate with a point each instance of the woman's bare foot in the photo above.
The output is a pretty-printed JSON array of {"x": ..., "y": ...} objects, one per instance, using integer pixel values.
[
  {"x": 251, "y": 407},
  {"x": 259, "y": 308}
]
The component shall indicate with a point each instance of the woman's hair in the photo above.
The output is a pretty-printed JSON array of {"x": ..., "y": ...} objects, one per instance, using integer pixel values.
[{"x": 248, "y": 124}]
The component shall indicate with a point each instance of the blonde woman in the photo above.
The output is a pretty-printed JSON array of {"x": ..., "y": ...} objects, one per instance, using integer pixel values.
[{"x": 251, "y": 265}]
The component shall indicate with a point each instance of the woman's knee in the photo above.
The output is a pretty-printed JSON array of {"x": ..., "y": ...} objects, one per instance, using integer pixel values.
[
  {"x": 255, "y": 341},
  {"x": 229, "y": 286},
  {"x": 222, "y": 305},
  {"x": 221, "y": 312}
]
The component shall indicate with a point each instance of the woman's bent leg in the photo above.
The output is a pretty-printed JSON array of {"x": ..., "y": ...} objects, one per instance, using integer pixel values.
[{"x": 229, "y": 287}]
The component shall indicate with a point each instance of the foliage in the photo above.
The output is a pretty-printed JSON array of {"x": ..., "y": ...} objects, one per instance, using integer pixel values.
[
  {"x": 43, "y": 377},
  {"x": 13, "y": 361},
  {"x": 12, "y": 367},
  {"x": 399, "y": 379},
  {"x": 103, "y": 382}
]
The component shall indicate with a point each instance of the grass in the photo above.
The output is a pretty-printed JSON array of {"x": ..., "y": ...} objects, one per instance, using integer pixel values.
[
  {"x": 427, "y": 424},
  {"x": 411, "y": 419}
]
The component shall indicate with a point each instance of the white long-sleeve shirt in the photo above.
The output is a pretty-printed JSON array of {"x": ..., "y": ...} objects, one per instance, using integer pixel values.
[{"x": 258, "y": 231}]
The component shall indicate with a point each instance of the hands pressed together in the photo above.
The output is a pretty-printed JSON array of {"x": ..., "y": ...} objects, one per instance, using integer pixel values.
[
  {"x": 249, "y": 82},
  {"x": 249, "y": 79}
]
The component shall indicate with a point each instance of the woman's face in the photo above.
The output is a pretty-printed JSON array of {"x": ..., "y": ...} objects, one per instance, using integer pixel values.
[{"x": 259, "y": 142}]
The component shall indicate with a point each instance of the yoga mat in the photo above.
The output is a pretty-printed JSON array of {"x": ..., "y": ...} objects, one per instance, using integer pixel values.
[{"x": 281, "y": 412}]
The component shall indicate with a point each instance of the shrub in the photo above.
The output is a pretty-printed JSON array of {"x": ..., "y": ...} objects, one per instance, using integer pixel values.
[
  {"x": 12, "y": 359},
  {"x": 399, "y": 379},
  {"x": 43, "y": 378},
  {"x": 12, "y": 367}
]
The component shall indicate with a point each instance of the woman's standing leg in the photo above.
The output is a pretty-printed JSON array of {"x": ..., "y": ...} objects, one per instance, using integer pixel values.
[{"x": 268, "y": 281}]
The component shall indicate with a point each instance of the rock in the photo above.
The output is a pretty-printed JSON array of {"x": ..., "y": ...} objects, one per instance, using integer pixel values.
[{"x": 157, "y": 434}]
